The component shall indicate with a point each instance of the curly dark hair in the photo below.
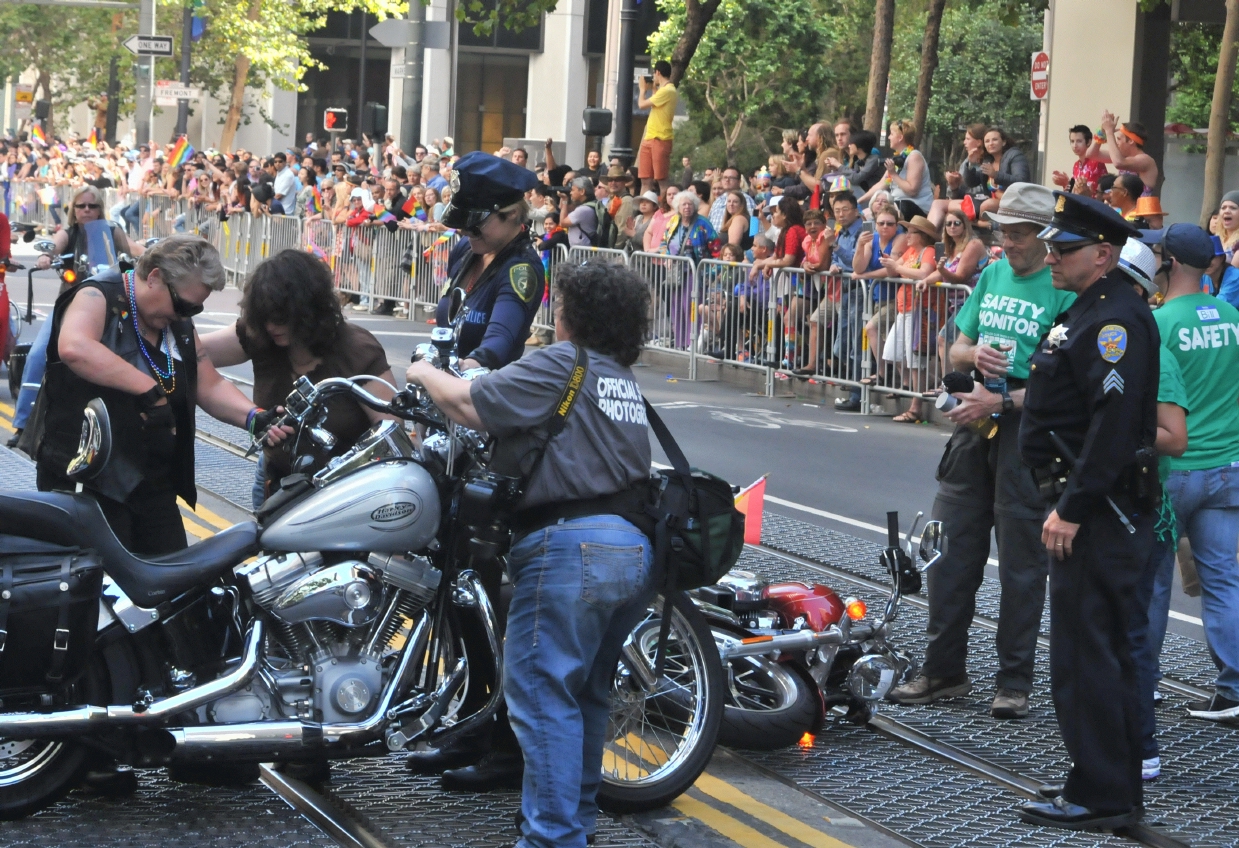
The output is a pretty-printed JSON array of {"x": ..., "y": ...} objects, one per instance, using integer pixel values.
[
  {"x": 293, "y": 288},
  {"x": 605, "y": 307}
]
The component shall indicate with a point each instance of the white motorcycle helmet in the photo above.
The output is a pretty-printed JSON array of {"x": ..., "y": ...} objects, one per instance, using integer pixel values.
[{"x": 1139, "y": 263}]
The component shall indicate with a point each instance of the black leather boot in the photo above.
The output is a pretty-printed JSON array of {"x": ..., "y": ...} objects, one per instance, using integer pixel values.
[
  {"x": 458, "y": 753},
  {"x": 496, "y": 770}
]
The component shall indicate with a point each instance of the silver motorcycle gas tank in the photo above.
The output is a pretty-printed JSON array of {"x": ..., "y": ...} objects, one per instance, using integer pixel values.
[{"x": 391, "y": 507}]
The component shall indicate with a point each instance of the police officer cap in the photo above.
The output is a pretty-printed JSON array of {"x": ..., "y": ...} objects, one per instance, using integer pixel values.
[
  {"x": 1189, "y": 244},
  {"x": 1078, "y": 218},
  {"x": 482, "y": 184}
]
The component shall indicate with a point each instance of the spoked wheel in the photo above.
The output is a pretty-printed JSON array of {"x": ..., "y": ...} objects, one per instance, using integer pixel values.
[
  {"x": 769, "y": 705},
  {"x": 661, "y": 734}
]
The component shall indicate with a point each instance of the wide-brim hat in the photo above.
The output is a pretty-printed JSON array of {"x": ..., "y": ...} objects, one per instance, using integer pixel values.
[
  {"x": 615, "y": 172},
  {"x": 1148, "y": 205},
  {"x": 651, "y": 196},
  {"x": 1024, "y": 203},
  {"x": 921, "y": 224}
]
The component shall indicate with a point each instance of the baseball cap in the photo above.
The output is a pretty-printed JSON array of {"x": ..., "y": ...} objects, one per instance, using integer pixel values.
[
  {"x": 1189, "y": 244},
  {"x": 1024, "y": 203},
  {"x": 1139, "y": 263}
]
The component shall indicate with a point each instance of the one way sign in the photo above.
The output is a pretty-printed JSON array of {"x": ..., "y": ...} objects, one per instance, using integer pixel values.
[{"x": 149, "y": 45}]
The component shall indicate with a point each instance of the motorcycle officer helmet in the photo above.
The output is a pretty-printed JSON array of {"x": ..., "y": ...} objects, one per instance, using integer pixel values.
[{"x": 482, "y": 184}]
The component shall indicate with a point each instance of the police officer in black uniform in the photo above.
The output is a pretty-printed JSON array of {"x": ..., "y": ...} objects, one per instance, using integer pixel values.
[
  {"x": 495, "y": 265},
  {"x": 1090, "y": 416},
  {"x": 500, "y": 273}
]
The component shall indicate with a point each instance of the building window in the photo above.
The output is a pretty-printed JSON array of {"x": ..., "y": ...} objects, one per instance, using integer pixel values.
[
  {"x": 529, "y": 39},
  {"x": 491, "y": 92}
]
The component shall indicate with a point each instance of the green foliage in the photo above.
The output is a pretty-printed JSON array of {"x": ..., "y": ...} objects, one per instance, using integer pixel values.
[
  {"x": 982, "y": 76},
  {"x": 759, "y": 65},
  {"x": 514, "y": 15},
  {"x": 1193, "y": 65}
]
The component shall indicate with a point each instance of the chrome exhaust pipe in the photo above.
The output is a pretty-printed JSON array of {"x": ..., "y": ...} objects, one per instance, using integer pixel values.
[
  {"x": 802, "y": 640},
  {"x": 255, "y": 741},
  {"x": 84, "y": 719}
]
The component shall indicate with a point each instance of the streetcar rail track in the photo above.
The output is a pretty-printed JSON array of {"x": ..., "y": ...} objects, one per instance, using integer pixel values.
[{"x": 329, "y": 813}]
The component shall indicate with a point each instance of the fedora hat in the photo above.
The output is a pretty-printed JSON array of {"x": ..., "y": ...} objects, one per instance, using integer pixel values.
[
  {"x": 616, "y": 172},
  {"x": 1024, "y": 203}
]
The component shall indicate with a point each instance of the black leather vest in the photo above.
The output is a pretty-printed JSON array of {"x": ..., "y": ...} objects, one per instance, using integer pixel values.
[{"x": 66, "y": 395}]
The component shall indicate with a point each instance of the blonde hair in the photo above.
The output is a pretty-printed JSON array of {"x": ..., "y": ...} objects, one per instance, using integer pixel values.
[
  {"x": 907, "y": 129},
  {"x": 97, "y": 194}
]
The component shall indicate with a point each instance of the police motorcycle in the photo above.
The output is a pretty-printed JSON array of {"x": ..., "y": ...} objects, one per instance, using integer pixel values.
[
  {"x": 329, "y": 628},
  {"x": 792, "y": 652}
]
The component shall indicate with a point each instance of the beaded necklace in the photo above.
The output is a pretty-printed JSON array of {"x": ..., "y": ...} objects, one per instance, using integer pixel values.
[{"x": 160, "y": 374}]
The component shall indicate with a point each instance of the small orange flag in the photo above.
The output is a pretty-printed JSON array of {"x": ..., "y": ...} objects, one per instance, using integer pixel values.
[{"x": 750, "y": 502}]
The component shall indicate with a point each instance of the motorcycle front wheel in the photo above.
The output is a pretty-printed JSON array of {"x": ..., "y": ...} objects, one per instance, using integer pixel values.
[
  {"x": 769, "y": 704},
  {"x": 661, "y": 734}
]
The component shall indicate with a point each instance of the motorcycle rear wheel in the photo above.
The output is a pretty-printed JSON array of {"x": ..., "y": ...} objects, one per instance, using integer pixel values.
[{"x": 659, "y": 742}]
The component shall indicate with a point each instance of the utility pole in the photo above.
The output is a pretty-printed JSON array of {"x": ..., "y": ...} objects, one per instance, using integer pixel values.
[
  {"x": 187, "y": 38},
  {"x": 411, "y": 99},
  {"x": 622, "y": 149},
  {"x": 144, "y": 71},
  {"x": 361, "y": 81}
]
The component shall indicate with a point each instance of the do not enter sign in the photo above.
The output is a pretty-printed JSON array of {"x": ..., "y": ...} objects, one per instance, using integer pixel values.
[{"x": 1040, "y": 75}]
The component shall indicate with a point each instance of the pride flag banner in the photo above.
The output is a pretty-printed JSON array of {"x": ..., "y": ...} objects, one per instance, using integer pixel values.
[
  {"x": 181, "y": 153},
  {"x": 751, "y": 502}
]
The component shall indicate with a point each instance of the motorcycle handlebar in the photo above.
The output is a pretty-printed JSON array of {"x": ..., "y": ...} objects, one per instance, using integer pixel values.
[{"x": 892, "y": 529}]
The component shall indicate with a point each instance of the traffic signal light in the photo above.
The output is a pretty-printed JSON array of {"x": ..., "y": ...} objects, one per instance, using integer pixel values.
[{"x": 335, "y": 120}]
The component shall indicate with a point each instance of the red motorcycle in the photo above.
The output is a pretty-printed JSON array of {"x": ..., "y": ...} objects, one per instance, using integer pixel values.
[{"x": 793, "y": 651}]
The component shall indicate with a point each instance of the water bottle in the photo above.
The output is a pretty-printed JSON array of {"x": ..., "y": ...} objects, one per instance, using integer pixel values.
[{"x": 997, "y": 385}]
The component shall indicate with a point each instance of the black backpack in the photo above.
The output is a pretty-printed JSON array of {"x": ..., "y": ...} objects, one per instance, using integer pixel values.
[{"x": 602, "y": 235}]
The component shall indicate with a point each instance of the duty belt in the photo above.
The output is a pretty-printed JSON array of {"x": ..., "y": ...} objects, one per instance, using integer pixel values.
[{"x": 629, "y": 504}]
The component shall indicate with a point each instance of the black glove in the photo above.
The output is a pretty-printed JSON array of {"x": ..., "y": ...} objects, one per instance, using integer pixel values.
[
  {"x": 260, "y": 420},
  {"x": 159, "y": 417}
]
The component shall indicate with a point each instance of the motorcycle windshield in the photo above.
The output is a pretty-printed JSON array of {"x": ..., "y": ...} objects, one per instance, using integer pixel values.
[{"x": 100, "y": 248}]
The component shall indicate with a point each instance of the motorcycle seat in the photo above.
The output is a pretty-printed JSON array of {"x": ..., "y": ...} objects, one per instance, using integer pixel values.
[{"x": 67, "y": 519}]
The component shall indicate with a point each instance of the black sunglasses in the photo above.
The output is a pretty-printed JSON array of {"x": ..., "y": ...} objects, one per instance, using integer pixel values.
[
  {"x": 87, "y": 206},
  {"x": 182, "y": 308},
  {"x": 1053, "y": 249}
]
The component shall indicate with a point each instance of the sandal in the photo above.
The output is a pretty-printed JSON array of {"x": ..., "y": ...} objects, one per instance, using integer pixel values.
[
  {"x": 871, "y": 380},
  {"x": 908, "y": 418}
]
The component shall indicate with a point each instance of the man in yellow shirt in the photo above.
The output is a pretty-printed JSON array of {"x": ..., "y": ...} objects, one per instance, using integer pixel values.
[{"x": 654, "y": 156}]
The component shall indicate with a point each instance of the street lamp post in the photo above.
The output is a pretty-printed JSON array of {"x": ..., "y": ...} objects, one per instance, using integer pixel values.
[
  {"x": 187, "y": 37},
  {"x": 622, "y": 149}
]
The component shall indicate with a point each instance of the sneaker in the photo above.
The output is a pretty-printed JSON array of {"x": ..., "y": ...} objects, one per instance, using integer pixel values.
[
  {"x": 1151, "y": 768},
  {"x": 926, "y": 690},
  {"x": 1219, "y": 708},
  {"x": 847, "y": 405},
  {"x": 14, "y": 439},
  {"x": 1009, "y": 703}
]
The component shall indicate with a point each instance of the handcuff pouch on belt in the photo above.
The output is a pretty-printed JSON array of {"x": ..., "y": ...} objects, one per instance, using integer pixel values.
[{"x": 1052, "y": 479}]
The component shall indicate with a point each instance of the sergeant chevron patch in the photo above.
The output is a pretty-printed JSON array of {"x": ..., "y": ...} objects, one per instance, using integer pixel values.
[{"x": 1113, "y": 382}]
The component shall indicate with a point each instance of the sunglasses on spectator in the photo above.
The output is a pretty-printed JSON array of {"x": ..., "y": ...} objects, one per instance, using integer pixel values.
[
  {"x": 886, "y": 223},
  {"x": 951, "y": 223},
  {"x": 87, "y": 206}
]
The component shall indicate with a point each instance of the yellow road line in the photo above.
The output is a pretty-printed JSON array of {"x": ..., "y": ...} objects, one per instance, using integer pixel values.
[
  {"x": 723, "y": 791},
  {"x": 734, "y": 829},
  {"x": 206, "y": 515},
  {"x": 7, "y": 408},
  {"x": 195, "y": 529}
]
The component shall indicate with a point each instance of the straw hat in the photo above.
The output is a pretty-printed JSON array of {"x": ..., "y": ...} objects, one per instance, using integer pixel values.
[{"x": 921, "y": 224}]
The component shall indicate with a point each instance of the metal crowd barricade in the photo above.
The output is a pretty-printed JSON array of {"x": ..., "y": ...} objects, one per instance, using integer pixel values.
[
  {"x": 731, "y": 312},
  {"x": 233, "y": 246},
  {"x": 545, "y": 318},
  {"x": 673, "y": 296},
  {"x": 429, "y": 272},
  {"x": 391, "y": 282},
  {"x": 319, "y": 237},
  {"x": 579, "y": 255},
  {"x": 354, "y": 266},
  {"x": 281, "y": 232},
  {"x": 904, "y": 334}
]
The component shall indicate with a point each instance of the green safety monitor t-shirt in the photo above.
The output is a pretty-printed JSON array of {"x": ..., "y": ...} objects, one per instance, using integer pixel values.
[
  {"x": 1170, "y": 389},
  {"x": 1203, "y": 334},
  {"x": 1012, "y": 311}
]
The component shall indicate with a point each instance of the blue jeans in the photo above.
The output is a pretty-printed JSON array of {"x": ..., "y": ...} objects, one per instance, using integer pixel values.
[
  {"x": 580, "y": 586},
  {"x": 127, "y": 216},
  {"x": 258, "y": 494},
  {"x": 1148, "y": 631},
  {"x": 32, "y": 375},
  {"x": 847, "y": 336},
  {"x": 1207, "y": 505}
]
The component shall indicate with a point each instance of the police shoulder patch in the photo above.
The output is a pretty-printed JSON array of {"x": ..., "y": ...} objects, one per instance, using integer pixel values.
[
  {"x": 522, "y": 281},
  {"x": 1112, "y": 342}
]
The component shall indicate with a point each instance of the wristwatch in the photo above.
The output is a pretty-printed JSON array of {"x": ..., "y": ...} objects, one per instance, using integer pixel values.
[{"x": 1008, "y": 405}]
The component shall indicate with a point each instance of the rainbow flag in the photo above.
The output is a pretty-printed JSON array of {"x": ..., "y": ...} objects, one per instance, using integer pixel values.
[
  {"x": 382, "y": 215},
  {"x": 443, "y": 238},
  {"x": 37, "y": 135},
  {"x": 181, "y": 152},
  {"x": 93, "y": 140},
  {"x": 410, "y": 206},
  {"x": 314, "y": 206}
]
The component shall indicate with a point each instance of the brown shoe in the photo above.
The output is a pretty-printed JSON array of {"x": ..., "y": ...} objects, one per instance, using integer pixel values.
[
  {"x": 1009, "y": 703},
  {"x": 926, "y": 690}
]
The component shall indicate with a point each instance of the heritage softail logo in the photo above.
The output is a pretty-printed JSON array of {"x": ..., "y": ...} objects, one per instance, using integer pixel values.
[{"x": 393, "y": 512}]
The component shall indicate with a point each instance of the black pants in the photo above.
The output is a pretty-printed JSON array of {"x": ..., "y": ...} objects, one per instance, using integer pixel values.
[
  {"x": 148, "y": 523},
  {"x": 984, "y": 486},
  {"x": 482, "y": 661},
  {"x": 1092, "y": 674}
]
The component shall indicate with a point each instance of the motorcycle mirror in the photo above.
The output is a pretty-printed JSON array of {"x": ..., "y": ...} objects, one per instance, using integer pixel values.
[
  {"x": 933, "y": 544},
  {"x": 455, "y": 302},
  {"x": 44, "y": 246},
  {"x": 424, "y": 351},
  {"x": 95, "y": 447}
]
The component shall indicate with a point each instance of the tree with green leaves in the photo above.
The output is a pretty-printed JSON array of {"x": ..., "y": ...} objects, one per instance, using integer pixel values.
[{"x": 758, "y": 64}]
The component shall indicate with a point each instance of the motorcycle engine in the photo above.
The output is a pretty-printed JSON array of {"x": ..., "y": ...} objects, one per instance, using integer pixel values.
[{"x": 334, "y": 623}]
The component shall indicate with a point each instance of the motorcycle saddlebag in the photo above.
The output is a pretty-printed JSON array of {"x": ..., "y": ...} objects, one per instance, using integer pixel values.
[{"x": 49, "y": 612}]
